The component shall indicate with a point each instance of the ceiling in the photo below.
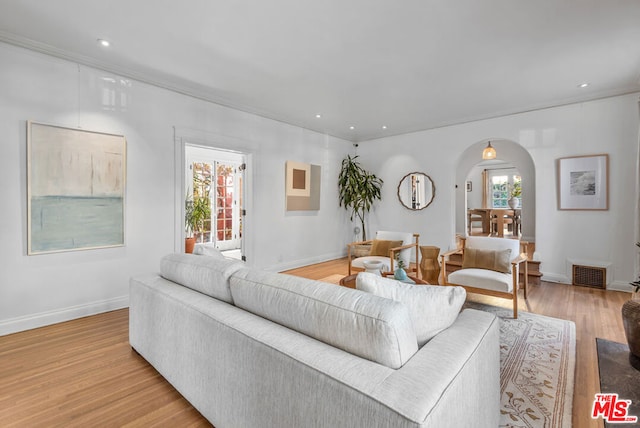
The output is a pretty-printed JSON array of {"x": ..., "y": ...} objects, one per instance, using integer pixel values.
[{"x": 408, "y": 65}]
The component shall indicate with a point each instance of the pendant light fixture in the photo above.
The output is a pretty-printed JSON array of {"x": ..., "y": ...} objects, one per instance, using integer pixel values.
[{"x": 489, "y": 152}]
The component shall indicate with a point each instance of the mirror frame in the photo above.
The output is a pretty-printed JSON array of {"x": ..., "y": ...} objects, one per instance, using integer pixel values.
[{"x": 433, "y": 191}]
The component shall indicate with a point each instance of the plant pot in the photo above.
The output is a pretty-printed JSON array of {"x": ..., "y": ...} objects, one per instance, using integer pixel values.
[
  {"x": 513, "y": 202},
  {"x": 189, "y": 244},
  {"x": 631, "y": 322}
]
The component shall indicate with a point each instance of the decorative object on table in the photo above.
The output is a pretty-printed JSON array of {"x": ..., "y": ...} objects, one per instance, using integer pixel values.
[
  {"x": 400, "y": 274},
  {"x": 373, "y": 266},
  {"x": 583, "y": 182},
  {"x": 358, "y": 189},
  {"x": 531, "y": 397},
  {"x": 416, "y": 191},
  {"x": 631, "y": 323},
  {"x": 429, "y": 265},
  {"x": 302, "y": 186},
  {"x": 75, "y": 189},
  {"x": 514, "y": 195},
  {"x": 489, "y": 152}
]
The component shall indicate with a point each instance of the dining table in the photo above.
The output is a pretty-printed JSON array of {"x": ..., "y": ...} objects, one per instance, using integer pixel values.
[{"x": 499, "y": 215}]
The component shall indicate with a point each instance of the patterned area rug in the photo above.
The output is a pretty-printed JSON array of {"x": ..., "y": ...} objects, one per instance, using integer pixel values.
[{"x": 537, "y": 367}]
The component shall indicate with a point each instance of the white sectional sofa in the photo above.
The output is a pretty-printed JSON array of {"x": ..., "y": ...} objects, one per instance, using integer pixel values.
[{"x": 256, "y": 349}]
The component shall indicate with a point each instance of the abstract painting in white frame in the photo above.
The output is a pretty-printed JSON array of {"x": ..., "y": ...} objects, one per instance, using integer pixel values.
[
  {"x": 75, "y": 189},
  {"x": 583, "y": 182},
  {"x": 302, "y": 186}
]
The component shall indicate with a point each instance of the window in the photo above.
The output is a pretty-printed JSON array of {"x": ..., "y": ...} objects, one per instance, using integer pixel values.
[{"x": 503, "y": 184}]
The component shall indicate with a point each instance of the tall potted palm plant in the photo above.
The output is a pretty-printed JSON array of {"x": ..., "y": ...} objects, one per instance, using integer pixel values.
[
  {"x": 358, "y": 190},
  {"x": 197, "y": 211}
]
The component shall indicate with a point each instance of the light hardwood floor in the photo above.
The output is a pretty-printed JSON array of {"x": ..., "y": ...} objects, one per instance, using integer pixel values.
[{"x": 84, "y": 373}]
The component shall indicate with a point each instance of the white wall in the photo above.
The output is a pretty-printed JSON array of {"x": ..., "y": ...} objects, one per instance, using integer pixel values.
[
  {"x": 602, "y": 126},
  {"x": 474, "y": 197},
  {"x": 38, "y": 290}
]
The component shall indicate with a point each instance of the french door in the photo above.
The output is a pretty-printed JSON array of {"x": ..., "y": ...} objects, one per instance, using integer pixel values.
[
  {"x": 227, "y": 205},
  {"x": 219, "y": 183}
]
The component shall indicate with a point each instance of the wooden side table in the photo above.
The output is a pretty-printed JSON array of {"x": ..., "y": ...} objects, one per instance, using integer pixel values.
[{"x": 429, "y": 266}]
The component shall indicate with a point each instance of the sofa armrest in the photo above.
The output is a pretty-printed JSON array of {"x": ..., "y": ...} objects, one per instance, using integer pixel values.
[{"x": 459, "y": 365}]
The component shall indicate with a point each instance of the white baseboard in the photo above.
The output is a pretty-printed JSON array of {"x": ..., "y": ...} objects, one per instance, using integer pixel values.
[
  {"x": 305, "y": 262},
  {"x": 620, "y": 286},
  {"x": 28, "y": 322},
  {"x": 554, "y": 277}
]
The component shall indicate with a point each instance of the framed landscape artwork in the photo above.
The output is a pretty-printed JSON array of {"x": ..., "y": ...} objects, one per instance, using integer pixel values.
[
  {"x": 75, "y": 189},
  {"x": 583, "y": 182}
]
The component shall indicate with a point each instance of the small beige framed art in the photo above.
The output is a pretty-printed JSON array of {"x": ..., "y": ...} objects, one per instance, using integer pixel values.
[
  {"x": 583, "y": 182},
  {"x": 302, "y": 186}
]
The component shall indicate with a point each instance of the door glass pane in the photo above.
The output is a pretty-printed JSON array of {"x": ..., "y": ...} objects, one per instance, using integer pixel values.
[
  {"x": 224, "y": 197},
  {"x": 202, "y": 178}
]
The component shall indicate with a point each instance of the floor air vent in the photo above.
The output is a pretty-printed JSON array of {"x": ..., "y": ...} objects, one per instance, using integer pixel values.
[{"x": 590, "y": 276}]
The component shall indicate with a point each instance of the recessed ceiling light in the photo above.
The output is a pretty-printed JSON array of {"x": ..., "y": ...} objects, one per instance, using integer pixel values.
[
  {"x": 583, "y": 85},
  {"x": 352, "y": 127},
  {"x": 318, "y": 116},
  {"x": 384, "y": 126},
  {"x": 104, "y": 43}
]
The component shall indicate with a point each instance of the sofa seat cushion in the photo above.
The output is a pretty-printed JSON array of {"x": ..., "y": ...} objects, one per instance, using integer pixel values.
[
  {"x": 482, "y": 278},
  {"x": 362, "y": 324},
  {"x": 381, "y": 247},
  {"x": 208, "y": 275},
  {"x": 432, "y": 308}
]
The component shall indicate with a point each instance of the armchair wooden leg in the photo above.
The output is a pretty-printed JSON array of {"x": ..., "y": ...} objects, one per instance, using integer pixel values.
[
  {"x": 526, "y": 279},
  {"x": 515, "y": 280},
  {"x": 444, "y": 270}
]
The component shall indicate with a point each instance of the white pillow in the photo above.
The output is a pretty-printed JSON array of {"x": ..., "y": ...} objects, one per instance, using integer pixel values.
[
  {"x": 207, "y": 250},
  {"x": 432, "y": 307}
]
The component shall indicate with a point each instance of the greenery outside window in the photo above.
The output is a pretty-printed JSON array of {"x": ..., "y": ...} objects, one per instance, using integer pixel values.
[{"x": 502, "y": 186}]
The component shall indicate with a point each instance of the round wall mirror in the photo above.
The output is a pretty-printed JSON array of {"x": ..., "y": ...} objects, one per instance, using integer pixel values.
[{"x": 416, "y": 191}]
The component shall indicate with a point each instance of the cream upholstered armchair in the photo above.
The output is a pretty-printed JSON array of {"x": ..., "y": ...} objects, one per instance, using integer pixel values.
[
  {"x": 385, "y": 248},
  {"x": 490, "y": 266}
]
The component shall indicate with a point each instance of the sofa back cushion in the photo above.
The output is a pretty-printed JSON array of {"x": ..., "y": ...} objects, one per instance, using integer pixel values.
[
  {"x": 432, "y": 308},
  {"x": 381, "y": 247},
  {"x": 496, "y": 244},
  {"x": 365, "y": 325},
  {"x": 498, "y": 260},
  {"x": 208, "y": 275}
]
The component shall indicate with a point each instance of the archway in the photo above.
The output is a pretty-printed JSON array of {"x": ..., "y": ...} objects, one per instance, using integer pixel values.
[{"x": 516, "y": 155}]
